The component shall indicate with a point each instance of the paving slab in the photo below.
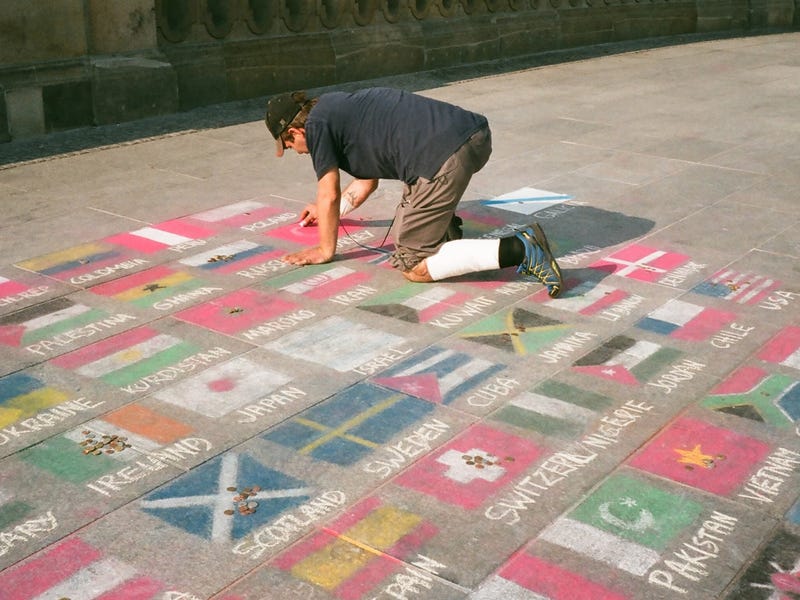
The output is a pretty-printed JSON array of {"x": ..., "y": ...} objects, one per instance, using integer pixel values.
[{"x": 184, "y": 415}]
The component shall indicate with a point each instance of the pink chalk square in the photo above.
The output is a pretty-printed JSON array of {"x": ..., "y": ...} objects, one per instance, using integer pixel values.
[
  {"x": 471, "y": 468},
  {"x": 703, "y": 456},
  {"x": 237, "y": 311},
  {"x": 640, "y": 262},
  {"x": 743, "y": 380},
  {"x": 9, "y": 287},
  {"x": 783, "y": 349},
  {"x": 240, "y": 214},
  {"x": 309, "y": 236},
  {"x": 553, "y": 582},
  {"x": 73, "y": 566},
  {"x": 155, "y": 238}
]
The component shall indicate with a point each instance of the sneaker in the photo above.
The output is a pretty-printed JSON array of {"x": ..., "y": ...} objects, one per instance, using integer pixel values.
[{"x": 539, "y": 261}]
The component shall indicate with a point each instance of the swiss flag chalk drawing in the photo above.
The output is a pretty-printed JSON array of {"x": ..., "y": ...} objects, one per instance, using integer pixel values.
[
  {"x": 471, "y": 468},
  {"x": 703, "y": 456}
]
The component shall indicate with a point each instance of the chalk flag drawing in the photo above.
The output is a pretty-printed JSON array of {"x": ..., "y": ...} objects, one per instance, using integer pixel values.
[
  {"x": 351, "y": 344},
  {"x": 233, "y": 257},
  {"x": 146, "y": 430},
  {"x": 626, "y": 360},
  {"x": 196, "y": 501},
  {"x": 685, "y": 321},
  {"x": 702, "y": 455},
  {"x": 125, "y": 358},
  {"x": 308, "y": 236},
  {"x": 753, "y": 393},
  {"x": 350, "y": 425},
  {"x": 553, "y": 408},
  {"x": 783, "y": 349},
  {"x": 471, "y": 468},
  {"x": 526, "y": 200},
  {"x": 775, "y": 574},
  {"x": 23, "y": 396},
  {"x": 237, "y": 311},
  {"x": 223, "y": 388},
  {"x": 148, "y": 288},
  {"x": 517, "y": 330},
  {"x": 72, "y": 263},
  {"x": 45, "y": 321},
  {"x": 9, "y": 287},
  {"x": 624, "y": 523},
  {"x": 415, "y": 303},
  {"x": 742, "y": 288},
  {"x": 75, "y": 569},
  {"x": 238, "y": 214},
  {"x": 583, "y": 297},
  {"x": 640, "y": 262},
  {"x": 438, "y": 375},
  {"x": 318, "y": 282},
  {"x": 335, "y": 559},
  {"x": 11, "y": 512},
  {"x": 152, "y": 239},
  {"x": 527, "y": 577}
]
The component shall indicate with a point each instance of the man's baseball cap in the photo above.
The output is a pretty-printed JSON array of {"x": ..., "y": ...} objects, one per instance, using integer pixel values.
[{"x": 281, "y": 110}]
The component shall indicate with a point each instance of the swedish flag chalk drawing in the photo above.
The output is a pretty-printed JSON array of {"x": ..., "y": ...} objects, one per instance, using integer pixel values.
[{"x": 350, "y": 425}]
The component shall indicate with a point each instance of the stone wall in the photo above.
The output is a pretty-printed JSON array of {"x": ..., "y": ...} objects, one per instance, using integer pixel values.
[{"x": 74, "y": 63}]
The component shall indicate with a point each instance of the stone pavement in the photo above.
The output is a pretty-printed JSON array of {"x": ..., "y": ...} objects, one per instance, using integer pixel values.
[{"x": 182, "y": 415}]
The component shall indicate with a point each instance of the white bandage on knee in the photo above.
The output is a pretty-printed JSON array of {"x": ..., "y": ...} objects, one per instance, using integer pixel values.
[{"x": 459, "y": 257}]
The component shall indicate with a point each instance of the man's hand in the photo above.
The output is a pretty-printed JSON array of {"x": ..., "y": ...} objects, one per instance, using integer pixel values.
[
  {"x": 308, "y": 216},
  {"x": 309, "y": 256}
]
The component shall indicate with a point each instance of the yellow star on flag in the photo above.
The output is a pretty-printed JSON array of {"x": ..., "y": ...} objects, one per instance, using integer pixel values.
[{"x": 695, "y": 457}]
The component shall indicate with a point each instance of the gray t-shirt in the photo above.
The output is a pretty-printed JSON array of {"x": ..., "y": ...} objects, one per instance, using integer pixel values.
[{"x": 383, "y": 133}]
